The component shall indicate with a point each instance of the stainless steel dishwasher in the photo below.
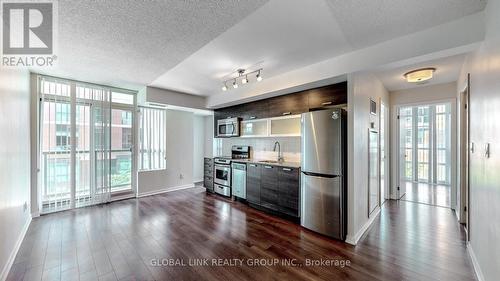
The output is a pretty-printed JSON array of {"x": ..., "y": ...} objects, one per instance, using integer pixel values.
[{"x": 239, "y": 180}]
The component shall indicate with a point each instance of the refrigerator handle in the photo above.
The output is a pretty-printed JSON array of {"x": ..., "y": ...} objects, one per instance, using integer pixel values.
[{"x": 320, "y": 175}]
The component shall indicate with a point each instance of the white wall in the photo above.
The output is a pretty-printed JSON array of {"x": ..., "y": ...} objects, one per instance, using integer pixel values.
[
  {"x": 362, "y": 87},
  {"x": 198, "y": 147},
  {"x": 14, "y": 163},
  {"x": 446, "y": 92},
  {"x": 423, "y": 94},
  {"x": 484, "y": 67},
  {"x": 179, "y": 171},
  {"x": 162, "y": 96}
]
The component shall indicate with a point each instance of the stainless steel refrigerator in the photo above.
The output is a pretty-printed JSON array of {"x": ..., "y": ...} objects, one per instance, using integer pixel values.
[{"x": 323, "y": 185}]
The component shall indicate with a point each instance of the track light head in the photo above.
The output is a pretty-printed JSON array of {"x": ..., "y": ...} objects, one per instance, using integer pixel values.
[
  {"x": 259, "y": 76},
  {"x": 235, "y": 85}
]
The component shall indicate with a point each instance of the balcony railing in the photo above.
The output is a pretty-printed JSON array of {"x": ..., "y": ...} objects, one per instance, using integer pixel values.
[{"x": 56, "y": 171}]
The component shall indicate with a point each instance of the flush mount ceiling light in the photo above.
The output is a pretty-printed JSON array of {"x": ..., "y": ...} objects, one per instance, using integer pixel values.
[
  {"x": 242, "y": 77},
  {"x": 419, "y": 75}
]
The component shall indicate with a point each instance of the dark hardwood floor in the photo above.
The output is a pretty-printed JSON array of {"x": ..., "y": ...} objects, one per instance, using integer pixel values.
[
  {"x": 118, "y": 241},
  {"x": 432, "y": 194}
]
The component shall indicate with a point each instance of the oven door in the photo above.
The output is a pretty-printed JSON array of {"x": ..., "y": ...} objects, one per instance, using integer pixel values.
[{"x": 222, "y": 174}]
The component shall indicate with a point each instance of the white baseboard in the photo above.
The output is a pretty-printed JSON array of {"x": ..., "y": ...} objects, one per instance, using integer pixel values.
[
  {"x": 13, "y": 254},
  {"x": 198, "y": 180},
  {"x": 354, "y": 239},
  {"x": 160, "y": 191},
  {"x": 475, "y": 263}
]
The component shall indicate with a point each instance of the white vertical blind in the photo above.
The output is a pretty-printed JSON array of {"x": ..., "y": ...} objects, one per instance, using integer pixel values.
[
  {"x": 152, "y": 147},
  {"x": 75, "y": 142}
]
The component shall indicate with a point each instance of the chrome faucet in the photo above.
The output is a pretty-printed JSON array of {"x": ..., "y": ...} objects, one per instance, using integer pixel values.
[{"x": 280, "y": 156}]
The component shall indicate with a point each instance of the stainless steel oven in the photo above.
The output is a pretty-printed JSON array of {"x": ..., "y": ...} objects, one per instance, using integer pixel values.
[
  {"x": 222, "y": 176},
  {"x": 229, "y": 127}
]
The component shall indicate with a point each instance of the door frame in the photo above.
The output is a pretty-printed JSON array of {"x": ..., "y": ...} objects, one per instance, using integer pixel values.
[
  {"x": 36, "y": 138},
  {"x": 120, "y": 194},
  {"x": 464, "y": 154},
  {"x": 396, "y": 146},
  {"x": 386, "y": 133}
]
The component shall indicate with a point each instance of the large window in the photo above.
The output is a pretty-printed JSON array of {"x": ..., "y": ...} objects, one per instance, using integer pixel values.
[
  {"x": 153, "y": 143},
  {"x": 86, "y": 141},
  {"x": 425, "y": 143}
]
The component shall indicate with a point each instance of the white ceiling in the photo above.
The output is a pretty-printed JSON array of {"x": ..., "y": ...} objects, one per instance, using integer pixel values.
[
  {"x": 365, "y": 23},
  {"x": 190, "y": 46},
  {"x": 280, "y": 36},
  {"x": 447, "y": 70},
  {"x": 130, "y": 43},
  {"x": 284, "y": 35}
]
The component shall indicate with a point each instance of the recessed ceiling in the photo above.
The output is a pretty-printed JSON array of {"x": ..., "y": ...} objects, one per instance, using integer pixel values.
[
  {"x": 130, "y": 43},
  {"x": 369, "y": 22},
  {"x": 280, "y": 36},
  {"x": 447, "y": 70},
  {"x": 191, "y": 46},
  {"x": 284, "y": 35}
]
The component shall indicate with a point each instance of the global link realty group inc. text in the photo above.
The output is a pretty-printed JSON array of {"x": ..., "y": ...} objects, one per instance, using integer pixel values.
[{"x": 235, "y": 262}]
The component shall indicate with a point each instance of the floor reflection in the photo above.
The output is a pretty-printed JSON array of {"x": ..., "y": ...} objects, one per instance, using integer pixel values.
[{"x": 437, "y": 195}]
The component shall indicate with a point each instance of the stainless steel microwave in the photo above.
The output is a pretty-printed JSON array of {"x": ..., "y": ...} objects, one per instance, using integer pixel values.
[{"x": 229, "y": 127}]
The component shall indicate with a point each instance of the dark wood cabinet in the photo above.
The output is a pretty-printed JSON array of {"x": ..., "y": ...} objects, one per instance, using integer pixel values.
[
  {"x": 253, "y": 183},
  {"x": 269, "y": 187},
  {"x": 208, "y": 171},
  {"x": 288, "y": 190},
  {"x": 288, "y": 104},
  {"x": 254, "y": 110},
  {"x": 327, "y": 96},
  {"x": 274, "y": 188}
]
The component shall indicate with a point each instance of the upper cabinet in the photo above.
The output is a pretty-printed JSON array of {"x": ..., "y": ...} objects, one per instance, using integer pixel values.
[
  {"x": 327, "y": 96},
  {"x": 254, "y": 128},
  {"x": 288, "y": 126},
  {"x": 288, "y": 104},
  {"x": 254, "y": 110},
  {"x": 282, "y": 106}
]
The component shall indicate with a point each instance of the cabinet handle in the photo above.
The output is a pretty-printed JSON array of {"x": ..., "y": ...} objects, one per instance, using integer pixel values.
[
  {"x": 252, "y": 117},
  {"x": 268, "y": 167},
  {"x": 287, "y": 169},
  {"x": 253, "y": 165},
  {"x": 286, "y": 113},
  {"x": 327, "y": 103}
]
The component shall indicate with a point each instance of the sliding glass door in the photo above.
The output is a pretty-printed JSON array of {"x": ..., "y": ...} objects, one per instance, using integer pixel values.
[
  {"x": 425, "y": 143},
  {"x": 86, "y": 144}
]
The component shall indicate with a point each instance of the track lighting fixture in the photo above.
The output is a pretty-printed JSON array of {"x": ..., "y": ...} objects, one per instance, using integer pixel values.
[{"x": 243, "y": 77}]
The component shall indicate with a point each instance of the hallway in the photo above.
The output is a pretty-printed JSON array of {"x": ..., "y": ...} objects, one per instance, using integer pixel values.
[{"x": 118, "y": 241}]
